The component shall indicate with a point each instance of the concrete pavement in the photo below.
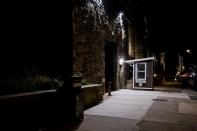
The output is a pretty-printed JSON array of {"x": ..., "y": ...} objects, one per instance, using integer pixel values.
[{"x": 163, "y": 109}]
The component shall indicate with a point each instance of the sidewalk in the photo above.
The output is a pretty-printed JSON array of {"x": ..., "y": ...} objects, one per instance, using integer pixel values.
[{"x": 139, "y": 110}]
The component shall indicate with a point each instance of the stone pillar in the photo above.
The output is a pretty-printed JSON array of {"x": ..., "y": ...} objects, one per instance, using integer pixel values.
[{"x": 77, "y": 97}]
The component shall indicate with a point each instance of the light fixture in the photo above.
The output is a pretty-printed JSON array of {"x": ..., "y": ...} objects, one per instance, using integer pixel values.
[
  {"x": 121, "y": 60},
  {"x": 155, "y": 75},
  {"x": 188, "y": 51}
]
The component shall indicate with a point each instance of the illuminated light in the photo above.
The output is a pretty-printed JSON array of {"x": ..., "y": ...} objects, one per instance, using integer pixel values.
[
  {"x": 121, "y": 60},
  {"x": 120, "y": 15},
  {"x": 188, "y": 51},
  {"x": 120, "y": 18},
  {"x": 155, "y": 75},
  {"x": 98, "y": 2},
  {"x": 193, "y": 74}
]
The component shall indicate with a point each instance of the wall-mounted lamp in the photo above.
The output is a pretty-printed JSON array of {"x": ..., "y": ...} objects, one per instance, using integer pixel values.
[
  {"x": 188, "y": 51},
  {"x": 121, "y": 60},
  {"x": 155, "y": 75}
]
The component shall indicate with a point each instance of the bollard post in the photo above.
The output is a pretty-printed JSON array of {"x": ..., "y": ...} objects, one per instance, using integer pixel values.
[
  {"x": 78, "y": 97},
  {"x": 109, "y": 88}
]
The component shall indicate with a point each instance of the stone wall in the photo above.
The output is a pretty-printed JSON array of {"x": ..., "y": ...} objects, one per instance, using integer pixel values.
[
  {"x": 92, "y": 95},
  {"x": 92, "y": 28}
]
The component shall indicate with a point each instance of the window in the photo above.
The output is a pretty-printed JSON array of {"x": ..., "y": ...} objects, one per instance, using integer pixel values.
[{"x": 141, "y": 71}]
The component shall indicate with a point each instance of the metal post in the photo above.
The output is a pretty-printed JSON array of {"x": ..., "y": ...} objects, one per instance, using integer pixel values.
[{"x": 109, "y": 88}]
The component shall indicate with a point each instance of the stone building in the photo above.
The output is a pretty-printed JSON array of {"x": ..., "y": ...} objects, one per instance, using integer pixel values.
[{"x": 103, "y": 33}]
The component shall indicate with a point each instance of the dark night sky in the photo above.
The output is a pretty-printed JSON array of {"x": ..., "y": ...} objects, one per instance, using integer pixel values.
[
  {"x": 172, "y": 23},
  {"x": 172, "y": 27}
]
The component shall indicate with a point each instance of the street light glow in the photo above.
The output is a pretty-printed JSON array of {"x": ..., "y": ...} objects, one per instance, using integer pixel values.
[
  {"x": 188, "y": 51},
  {"x": 121, "y": 60}
]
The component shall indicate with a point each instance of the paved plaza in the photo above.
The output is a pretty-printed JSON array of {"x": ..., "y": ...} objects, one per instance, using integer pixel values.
[{"x": 161, "y": 109}]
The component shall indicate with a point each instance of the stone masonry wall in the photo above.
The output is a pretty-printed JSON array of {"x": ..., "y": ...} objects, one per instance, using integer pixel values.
[{"x": 92, "y": 27}]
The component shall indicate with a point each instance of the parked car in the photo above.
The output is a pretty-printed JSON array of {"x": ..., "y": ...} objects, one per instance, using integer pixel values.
[{"x": 188, "y": 77}]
